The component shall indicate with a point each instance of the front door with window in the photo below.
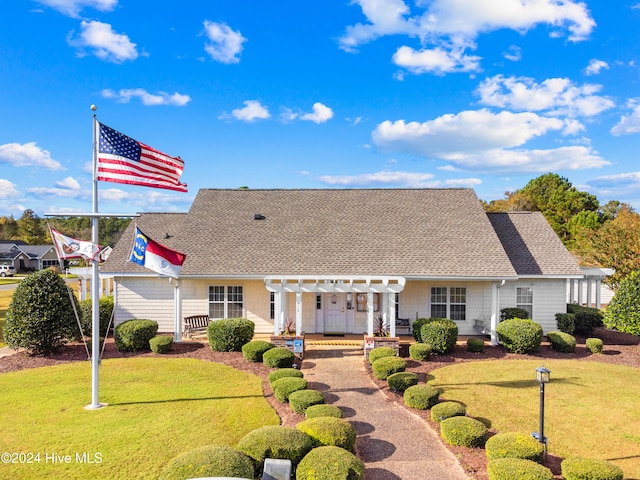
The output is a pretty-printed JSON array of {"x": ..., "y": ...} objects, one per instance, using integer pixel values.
[{"x": 335, "y": 307}]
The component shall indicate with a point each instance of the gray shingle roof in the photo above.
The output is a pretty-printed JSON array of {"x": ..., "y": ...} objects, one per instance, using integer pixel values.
[
  {"x": 409, "y": 232},
  {"x": 532, "y": 245}
]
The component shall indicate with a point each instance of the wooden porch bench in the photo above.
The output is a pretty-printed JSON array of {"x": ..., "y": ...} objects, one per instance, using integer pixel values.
[{"x": 195, "y": 323}]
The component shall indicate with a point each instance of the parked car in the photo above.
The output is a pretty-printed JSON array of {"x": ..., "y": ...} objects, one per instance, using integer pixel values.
[{"x": 7, "y": 271}]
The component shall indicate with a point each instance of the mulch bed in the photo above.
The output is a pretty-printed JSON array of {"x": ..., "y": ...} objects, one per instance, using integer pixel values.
[{"x": 619, "y": 349}]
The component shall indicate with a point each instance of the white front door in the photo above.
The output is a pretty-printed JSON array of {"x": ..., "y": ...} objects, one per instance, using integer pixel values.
[{"x": 335, "y": 306}]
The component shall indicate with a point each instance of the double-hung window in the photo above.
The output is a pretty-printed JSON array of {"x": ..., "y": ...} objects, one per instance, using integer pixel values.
[
  {"x": 449, "y": 303},
  {"x": 524, "y": 299},
  {"x": 225, "y": 301}
]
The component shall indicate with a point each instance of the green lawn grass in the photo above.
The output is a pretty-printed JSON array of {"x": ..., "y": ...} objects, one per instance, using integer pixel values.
[
  {"x": 591, "y": 408},
  {"x": 158, "y": 408}
]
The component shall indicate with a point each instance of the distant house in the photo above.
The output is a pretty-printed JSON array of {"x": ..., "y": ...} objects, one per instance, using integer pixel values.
[
  {"x": 40, "y": 256},
  {"x": 12, "y": 254},
  {"x": 332, "y": 261}
]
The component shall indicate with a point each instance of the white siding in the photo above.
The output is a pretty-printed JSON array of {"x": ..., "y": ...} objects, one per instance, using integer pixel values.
[
  {"x": 145, "y": 298},
  {"x": 549, "y": 298}
]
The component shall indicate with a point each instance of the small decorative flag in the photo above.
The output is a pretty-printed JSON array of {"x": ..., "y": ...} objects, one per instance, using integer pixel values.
[
  {"x": 122, "y": 159},
  {"x": 154, "y": 256},
  {"x": 68, "y": 247}
]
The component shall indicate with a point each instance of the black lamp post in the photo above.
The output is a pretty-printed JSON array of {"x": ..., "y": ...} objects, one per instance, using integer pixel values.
[{"x": 543, "y": 376}]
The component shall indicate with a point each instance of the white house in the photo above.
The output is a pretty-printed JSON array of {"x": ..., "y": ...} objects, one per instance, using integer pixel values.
[{"x": 333, "y": 261}]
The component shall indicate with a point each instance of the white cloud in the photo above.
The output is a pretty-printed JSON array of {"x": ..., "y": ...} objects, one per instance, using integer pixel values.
[
  {"x": 395, "y": 179},
  {"x": 149, "y": 201},
  {"x": 103, "y": 42},
  {"x": 8, "y": 189},
  {"x": 595, "y": 66},
  {"x": 555, "y": 96},
  {"x": 630, "y": 123},
  {"x": 48, "y": 192},
  {"x": 69, "y": 183},
  {"x": 438, "y": 60},
  {"x": 27, "y": 155},
  {"x": 252, "y": 110},
  {"x": 149, "y": 99},
  {"x": 225, "y": 45},
  {"x": 321, "y": 113},
  {"x": 72, "y": 8},
  {"x": 514, "y": 53}
]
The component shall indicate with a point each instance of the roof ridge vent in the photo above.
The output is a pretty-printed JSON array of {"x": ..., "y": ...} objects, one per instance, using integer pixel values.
[{"x": 259, "y": 216}]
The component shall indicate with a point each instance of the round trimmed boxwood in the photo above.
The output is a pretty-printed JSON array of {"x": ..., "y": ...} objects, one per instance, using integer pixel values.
[
  {"x": 275, "y": 441},
  {"x": 594, "y": 345},
  {"x": 229, "y": 334},
  {"x": 475, "y": 345},
  {"x": 463, "y": 432},
  {"x": 562, "y": 342},
  {"x": 444, "y": 410},
  {"x": 385, "y": 366},
  {"x": 161, "y": 344},
  {"x": 590, "y": 469},
  {"x": 134, "y": 335},
  {"x": 512, "y": 468},
  {"x": 441, "y": 334},
  {"x": 300, "y": 400},
  {"x": 330, "y": 463},
  {"x": 329, "y": 431},
  {"x": 285, "y": 386},
  {"x": 381, "y": 352},
  {"x": 421, "y": 397},
  {"x": 284, "y": 372},
  {"x": 417, "y": 326},
  {"x": 399, "y": 382},
  {"x": 278, "y": 357},
  {"x": 209, "y": 461},
  {"x": 520, "y": 335},
  {"x": 514, "y": 445},
  {"x": 253, "y": 350},
  {"x": 420, "y": 351},
  {"x": 322, "y": 410}
]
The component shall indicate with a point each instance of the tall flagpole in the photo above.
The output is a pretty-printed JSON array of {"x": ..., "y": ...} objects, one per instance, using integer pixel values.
[{"x": 95, "y": 281}]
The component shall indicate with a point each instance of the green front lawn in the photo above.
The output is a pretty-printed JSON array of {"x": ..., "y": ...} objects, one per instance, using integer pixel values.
[
  {"x": 591, "y": 408},
  {"x": 158, "y": 408}
]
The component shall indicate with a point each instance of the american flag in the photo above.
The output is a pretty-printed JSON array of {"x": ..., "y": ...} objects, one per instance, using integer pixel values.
[{"x": 122, "y": 159}]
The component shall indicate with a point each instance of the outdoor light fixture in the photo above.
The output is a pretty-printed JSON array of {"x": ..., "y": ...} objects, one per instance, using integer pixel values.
[{"x": 543, "y": 376}]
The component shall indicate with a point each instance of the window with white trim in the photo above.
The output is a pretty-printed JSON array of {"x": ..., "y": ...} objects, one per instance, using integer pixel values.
[
  {"x": 524, "y": 299},
  {"x": 49, "y": 263},
  {"x": 225, "y": 301},
  {"x": 449, "y": 303}
]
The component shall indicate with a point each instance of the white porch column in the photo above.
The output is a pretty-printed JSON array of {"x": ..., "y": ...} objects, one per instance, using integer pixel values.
[
  {"x": 177, "y": 311},
  {"x": 391, "y": 308},
  {"x": 298, "y": 313},
  {"x": 589, "y": 282},
  {"x": 281, "y": 312},
  {"x": 495, "y": 304},
  {"x": 83, "y": 288},
  {"x": 370, "y": 314},
  {"x": 598, "y": 299},
  {"x": 579, "y": 299},
  {"x": 572, "y": 290}
]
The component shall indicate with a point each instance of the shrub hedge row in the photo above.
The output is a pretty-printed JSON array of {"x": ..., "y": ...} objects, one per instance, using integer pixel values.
[
  {"x": 134, "y": 335},
  {"x": 519, "y": 335},
  {"x": 230, "y": 334},
  {"x": 562, "y": 342}
]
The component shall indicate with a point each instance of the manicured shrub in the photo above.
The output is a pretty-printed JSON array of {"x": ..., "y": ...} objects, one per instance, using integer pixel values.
[
  {"x": 253, "y": 350},
  {"x": 562, "y": 342},
  {"x": 229, "y": 334},
  {"x": 285, "y": 386},
  {"x": 278, "y": 357},
  {"x": 514, "y": 445},
  {"x": 210, "y": 461},
  {"x": 322, "y": 410},
  {"x": 417, "y": 327},
  {"x": 517, "y": 468},
  {"x": 519, "y": 335},
  {"x": 275, "y": 441},
  {"x": 330, "y": 463},
  {"x": 330, "y": 431},
  {"x": 513, "y": 312},
  {"x": 161, "y": 344},
  {"x": 623, "y": 312},
  {"x": 444, "y": 410},
  {"x": 586, "y": 318},
  {"x": 300, "y": 400},
  {"x": 381, "y": 352},
  {"x": 134, "y": 335},
  {"x": 421, "y": 397},
  {"x": 420, "y": 351},
  {"x": 86, "y": 315},
  {"x": 40, "y": 317},
  {"x": 385, "y": 366},
  {"x": 590, "y": 469},
  {"x": 566, "y": 322},
  {"x": 399, "y": 382},
  {"x": 441, "y": 334},
  {"x": 475, "y": 345},
  {"x": 594, "y": 345},
  {"x": 284, "y": 372},
  {"x": 463, "y": 431}
]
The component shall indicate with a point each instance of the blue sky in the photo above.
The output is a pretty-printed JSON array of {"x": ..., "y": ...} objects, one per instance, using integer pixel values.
[{"x": 331, "y": 94}]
